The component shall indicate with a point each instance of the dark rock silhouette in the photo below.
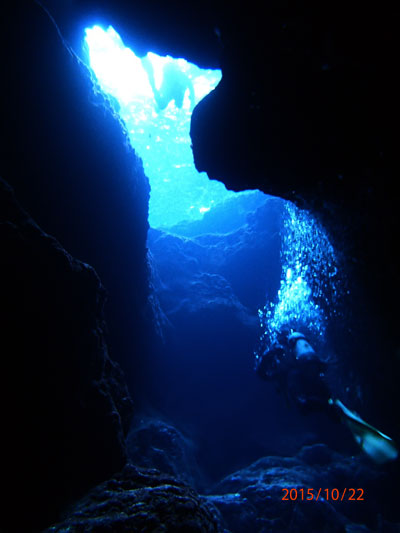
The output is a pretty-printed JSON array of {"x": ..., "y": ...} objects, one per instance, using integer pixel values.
[
  {"x": 66, "y": 404},
  {"x": 66, "y": 155}
]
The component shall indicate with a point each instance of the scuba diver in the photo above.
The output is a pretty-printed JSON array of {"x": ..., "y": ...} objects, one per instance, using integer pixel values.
[
  {"x": 300, "y": 373},
  {"x": 174, "y": 85}
]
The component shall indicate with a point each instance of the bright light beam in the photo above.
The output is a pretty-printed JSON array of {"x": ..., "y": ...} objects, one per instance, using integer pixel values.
[{"x": 118, "y": 69}]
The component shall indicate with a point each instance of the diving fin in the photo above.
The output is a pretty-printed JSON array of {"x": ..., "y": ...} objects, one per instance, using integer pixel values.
[{"x": 378, "y": 446}]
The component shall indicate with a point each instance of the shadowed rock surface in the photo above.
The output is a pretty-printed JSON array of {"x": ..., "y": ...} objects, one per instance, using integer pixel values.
[
  {"x": 66, "y": 155},
  {"x": 144, "y": 500},
  {"x": 66, "y": 404},
  {"x": 152, "y": 443},
  {"x": 252, "y": 498}
]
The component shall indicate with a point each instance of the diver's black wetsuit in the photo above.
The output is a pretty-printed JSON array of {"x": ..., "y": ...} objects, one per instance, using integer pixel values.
[
  {"x": 301, "y": 378},
  {"x": 300, "y": 374}
]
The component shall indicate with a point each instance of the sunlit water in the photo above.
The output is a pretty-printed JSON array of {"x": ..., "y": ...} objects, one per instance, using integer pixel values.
[
  {"x": 309, "y": 283},
  {"x": 161, "y": 138}
]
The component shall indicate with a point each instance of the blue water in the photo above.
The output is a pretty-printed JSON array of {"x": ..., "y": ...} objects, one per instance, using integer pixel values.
[
  {"x": 179, "y": 193},
  {"x": 161, "y": 138},
  {"x": 310, "y": 286}
]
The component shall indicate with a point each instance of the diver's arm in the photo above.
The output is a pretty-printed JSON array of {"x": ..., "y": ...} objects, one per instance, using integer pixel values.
[{"x": 268, "y": 365}]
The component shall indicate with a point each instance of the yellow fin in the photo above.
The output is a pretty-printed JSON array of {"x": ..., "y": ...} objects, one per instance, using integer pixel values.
[{"x": 373, "y": 442}]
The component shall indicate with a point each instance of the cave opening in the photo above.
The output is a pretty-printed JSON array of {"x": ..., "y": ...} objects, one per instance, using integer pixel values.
[
  {"x": 223, "y": 264},
  {"x": 155, "y": 97}
]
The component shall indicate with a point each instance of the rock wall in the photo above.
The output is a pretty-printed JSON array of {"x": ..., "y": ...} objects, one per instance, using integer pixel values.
[
  {"x": 282, "y": 494},
  {"x": 70, "y": 163},
  {"x": 304, "y": 111},
  {"x": 65, "y": 403},
  {"x": 142, "y": 500}
]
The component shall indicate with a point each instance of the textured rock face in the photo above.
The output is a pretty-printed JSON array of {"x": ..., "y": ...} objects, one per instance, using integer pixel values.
[
  {"x": 65, "y": 401},
  {"x": 201, "y": 265},
  {"x": 252, "y": 498},
  {"x": 142, "y": 500},
  {"x": 152, "y": 443},
  {"x": 71, "y": 166}
]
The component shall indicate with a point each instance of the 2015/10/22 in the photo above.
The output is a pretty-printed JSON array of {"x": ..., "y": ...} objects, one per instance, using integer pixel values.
[{"x": 330, "y": 494}]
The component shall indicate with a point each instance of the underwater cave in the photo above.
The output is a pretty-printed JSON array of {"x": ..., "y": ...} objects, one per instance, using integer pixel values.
[
  {"x": 229, "y": 271},
  {"x": 202, "y": 337}
]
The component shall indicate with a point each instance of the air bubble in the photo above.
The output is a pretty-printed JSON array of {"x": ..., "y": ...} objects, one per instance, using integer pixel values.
[{"x": 306, "y": 250}]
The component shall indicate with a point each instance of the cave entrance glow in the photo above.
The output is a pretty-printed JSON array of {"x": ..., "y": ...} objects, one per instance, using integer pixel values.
[
  {"x": 155, "y": 97},
  {"x": 222, "y": 265}
]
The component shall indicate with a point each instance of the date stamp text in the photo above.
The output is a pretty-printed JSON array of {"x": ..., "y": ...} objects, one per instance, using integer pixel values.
[{"x": 303, "y": 494}]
